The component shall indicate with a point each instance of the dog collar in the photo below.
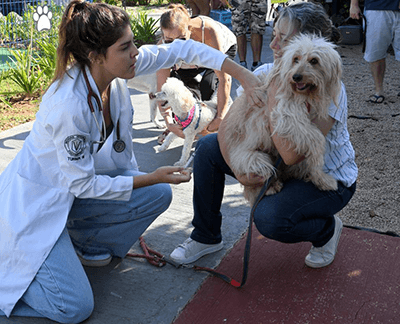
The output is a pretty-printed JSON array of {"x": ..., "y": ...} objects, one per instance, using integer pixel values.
[{"x": 189, "y": 118}]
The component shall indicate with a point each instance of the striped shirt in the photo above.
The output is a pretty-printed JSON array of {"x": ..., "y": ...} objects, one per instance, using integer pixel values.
[{"x": 339, "y": 153}]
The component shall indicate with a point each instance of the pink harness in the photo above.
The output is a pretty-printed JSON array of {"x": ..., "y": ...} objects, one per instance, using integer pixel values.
[{"x": 189, "y": 118}]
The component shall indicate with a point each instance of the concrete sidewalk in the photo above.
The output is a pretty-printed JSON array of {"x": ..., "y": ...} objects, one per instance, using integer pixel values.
[{"x": 133, "y": 291}]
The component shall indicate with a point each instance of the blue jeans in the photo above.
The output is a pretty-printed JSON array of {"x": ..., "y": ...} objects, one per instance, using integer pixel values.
[
  {"x": 300, "y": 212},
  {"x": 61, "y": 290}
]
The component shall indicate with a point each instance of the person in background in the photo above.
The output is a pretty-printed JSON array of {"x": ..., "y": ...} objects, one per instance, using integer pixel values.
[
  {"x": 382, "y": 30},
  {"x": 249, "y": 15},
  {"x": 73, "y": 195},
  {"x": 200, "y": 7},
  {"x": 300, "y": 211},
  {"x": 176, "y": 23}
]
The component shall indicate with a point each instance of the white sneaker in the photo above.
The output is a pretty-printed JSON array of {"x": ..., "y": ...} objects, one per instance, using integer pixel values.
[
  {"x": 191, "y": 250},
  {"x": 324, "y": 255}
]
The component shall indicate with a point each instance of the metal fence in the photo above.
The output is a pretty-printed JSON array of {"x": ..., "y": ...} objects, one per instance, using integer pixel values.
[{"x": 23, "y": 22}]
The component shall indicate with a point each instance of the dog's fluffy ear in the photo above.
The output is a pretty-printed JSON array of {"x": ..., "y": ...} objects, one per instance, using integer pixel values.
[{"x": 333, "y": 68}]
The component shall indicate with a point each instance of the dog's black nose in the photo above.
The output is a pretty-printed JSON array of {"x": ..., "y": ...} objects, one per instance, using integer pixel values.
[{"x": 297, "y": 77}]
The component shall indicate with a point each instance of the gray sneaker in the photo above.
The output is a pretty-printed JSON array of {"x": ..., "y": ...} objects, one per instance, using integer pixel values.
[
  {"x": 191, "y": 250},
  {"x": 324, "y": 255}
]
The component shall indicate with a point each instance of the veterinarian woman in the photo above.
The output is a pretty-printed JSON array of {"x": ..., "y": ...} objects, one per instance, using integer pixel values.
[
  {"x": 300, "y": 212},
  {"x": 74, "y": 188},
  {"x": 176, "y": 23}
]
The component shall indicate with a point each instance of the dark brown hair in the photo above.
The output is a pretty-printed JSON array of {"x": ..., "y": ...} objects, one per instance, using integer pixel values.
[{"x": 85, "y": 28}]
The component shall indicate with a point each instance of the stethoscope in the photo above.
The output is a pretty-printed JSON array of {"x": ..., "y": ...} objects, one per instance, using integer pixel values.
[{"x": 118, "y": 145}]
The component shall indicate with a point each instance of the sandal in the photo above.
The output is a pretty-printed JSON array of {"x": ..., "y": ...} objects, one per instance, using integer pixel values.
[
  {"x": 161, "y": 137},
  {"x": 376, "y": 99}
]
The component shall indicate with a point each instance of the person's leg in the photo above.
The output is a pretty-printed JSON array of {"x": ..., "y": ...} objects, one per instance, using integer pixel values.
[
  {"x": 258, "y": 24},
  {"x": 379, "y": 35},
  {"x": 242, "y": 47},
  {"x": 378, "y": 74},
  {"x": 396, "y": 39},
  {"x": 195, "y": 9},
  {"x": 209, "y": 171},
  {"x": 60, "y": 290},
  {"x": 112, "y": 226},
  {"x": 303, "y": 213},
  {"x": 256, "y": 46},
  {"x": 240, "y": 23},
  {"x": 204, "y": 7}
]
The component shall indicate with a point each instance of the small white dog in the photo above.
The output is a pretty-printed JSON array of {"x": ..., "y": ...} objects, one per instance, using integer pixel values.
[
  {"x": 308, "y": 77},
  {"x": 147, "y": 83},
  {"x": 192, "y": 114}
]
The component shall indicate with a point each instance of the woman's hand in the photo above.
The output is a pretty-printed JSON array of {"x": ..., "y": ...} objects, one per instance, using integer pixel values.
[
  {"x": 250, "y": 82},
  {"x": 354, "y": 10},
  {"x": 214, "y": 125},
  {"x": 255, "y": 96},
  {"x": 165, "y": 174},
  {"x": 251, "y": 180},
  {"x": 176, "y": 129},
  {"x": 172, "y": 174}
]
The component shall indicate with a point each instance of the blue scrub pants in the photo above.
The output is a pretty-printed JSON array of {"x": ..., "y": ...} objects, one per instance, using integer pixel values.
[
  {"x": 300, "y": 212},
  {"x": 61, "y": 290}
]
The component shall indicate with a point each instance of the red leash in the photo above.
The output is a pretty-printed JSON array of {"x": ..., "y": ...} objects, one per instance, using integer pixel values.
[
  {"x": 159, "y": 260},
  {"x": 153, "y": 257}
]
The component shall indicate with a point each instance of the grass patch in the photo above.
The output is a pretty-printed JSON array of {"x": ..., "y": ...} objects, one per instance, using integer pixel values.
[{"x": 16, "y": 108}]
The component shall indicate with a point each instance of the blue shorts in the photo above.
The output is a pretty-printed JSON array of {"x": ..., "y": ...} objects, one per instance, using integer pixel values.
[{"x": 383, "y": 29}]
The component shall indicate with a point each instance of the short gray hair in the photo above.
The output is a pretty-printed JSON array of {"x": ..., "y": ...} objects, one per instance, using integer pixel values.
[{"x": 310, "y": 18}]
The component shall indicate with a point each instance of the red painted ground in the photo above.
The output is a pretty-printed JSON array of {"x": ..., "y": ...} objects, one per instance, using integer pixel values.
[{"x": 362, "y": 285}]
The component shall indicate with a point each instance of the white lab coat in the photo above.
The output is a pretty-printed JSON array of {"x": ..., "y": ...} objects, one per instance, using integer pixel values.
[{"x": 38, "y": 187}]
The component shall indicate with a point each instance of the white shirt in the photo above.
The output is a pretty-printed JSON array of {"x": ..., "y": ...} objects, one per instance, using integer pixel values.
[
  {"x": 339, "y": 154},
  {"x": 55, "y": 165}
]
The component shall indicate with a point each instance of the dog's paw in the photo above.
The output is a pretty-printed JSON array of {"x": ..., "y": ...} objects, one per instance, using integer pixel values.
[
  {"x": 275, "y": 187},
  {"x": 159, "y": 125},
  {"x": 161, "y": 148},
  {"x": 180, "y": 163}
]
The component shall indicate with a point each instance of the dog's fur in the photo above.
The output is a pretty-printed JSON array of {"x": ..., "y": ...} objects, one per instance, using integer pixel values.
[
  {"x": 309, "y": 71},
  {"x": 174, "y": 94},
  {"x": 147, "y": 83}
]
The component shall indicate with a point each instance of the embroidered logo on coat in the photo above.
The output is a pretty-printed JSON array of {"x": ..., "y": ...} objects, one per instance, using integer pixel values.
[{"x": 75, "y": 146}]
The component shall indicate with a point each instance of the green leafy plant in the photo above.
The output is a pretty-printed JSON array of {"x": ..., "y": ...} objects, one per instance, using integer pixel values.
[
  {"x": 47, "y": 58},
  {"x": 144, "y": 28},
  {"x": 113, "y": 2},
  {"x": 25, "y": 76}
]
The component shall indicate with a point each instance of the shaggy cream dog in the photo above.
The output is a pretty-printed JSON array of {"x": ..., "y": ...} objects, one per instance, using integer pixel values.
[
  {"x": 192, "y": 114},
  {"x": 308, "y": 72}
]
